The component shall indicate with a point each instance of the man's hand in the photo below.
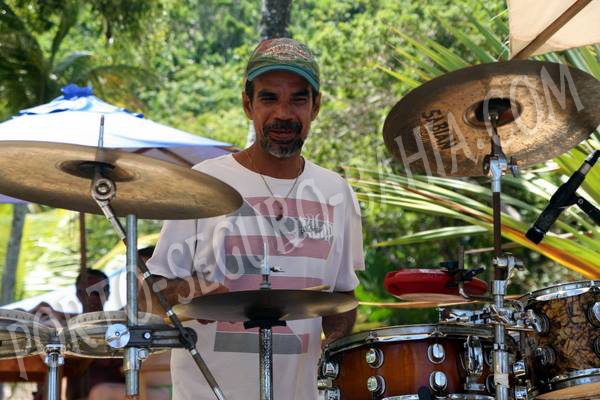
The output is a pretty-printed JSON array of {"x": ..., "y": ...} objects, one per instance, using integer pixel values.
[
  {"x": 338, "y": 325},
  {"x": 176, "y": 291}
]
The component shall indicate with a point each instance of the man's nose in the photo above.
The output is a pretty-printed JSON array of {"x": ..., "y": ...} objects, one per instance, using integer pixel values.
[{"x": 282, "y": 111}]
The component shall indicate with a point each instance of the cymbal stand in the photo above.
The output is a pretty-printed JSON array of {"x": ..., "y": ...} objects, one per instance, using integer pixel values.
[
  {"x": 265, "y": 335},
  {"x": 103, "y": 191},
  {"x": 496, "y": 164},
  {"x": 54, "y": 359}
]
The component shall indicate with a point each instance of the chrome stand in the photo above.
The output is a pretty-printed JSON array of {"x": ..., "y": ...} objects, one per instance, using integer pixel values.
[
  {"x": 495, "y": 164},
  {"x": 265, "y": 335},
  {"x": 54, "y": 359},
  {"x": 103, "y": 191}
]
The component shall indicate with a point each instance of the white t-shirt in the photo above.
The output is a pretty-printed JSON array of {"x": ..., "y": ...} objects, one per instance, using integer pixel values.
[{"x": 318, "y": 241}]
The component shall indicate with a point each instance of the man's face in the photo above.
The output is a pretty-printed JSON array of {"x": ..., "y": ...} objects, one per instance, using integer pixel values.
[
  {"x": 282, "y": 110},
  {"x": 95, "y": 294}
]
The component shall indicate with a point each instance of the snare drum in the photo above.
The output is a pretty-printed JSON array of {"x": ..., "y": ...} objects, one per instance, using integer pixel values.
[
  {"x": 85, "y": 334},
  {"x": 444, "y": 360},
  {"x": 563, "y": 352},
  {"x": 21, "y": 335}
]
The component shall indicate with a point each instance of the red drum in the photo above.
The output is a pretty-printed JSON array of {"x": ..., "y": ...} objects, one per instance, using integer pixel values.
[
  {"x": 563, "y": 354},
  {"x": 444, "y": 360}
]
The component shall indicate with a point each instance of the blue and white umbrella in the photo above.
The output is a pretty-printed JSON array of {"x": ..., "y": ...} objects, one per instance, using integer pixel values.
[{"x": 74, "y": 118}]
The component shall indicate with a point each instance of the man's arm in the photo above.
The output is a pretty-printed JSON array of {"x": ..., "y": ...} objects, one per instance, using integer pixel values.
[
  {"x": 176, "y": 291},
  {"x": 338, "y": 325}
]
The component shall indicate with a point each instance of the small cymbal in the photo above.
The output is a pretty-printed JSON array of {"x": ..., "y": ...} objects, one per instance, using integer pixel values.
[
  {"x": 545, "y": 109},
  {"x": 60, "y": 175},
  {"x": 275, "y": 304}
]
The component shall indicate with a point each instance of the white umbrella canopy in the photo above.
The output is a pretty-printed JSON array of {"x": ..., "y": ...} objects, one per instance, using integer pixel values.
[
  {"x": 74, "y": 118},
  {"x": 529, "y": 18}
]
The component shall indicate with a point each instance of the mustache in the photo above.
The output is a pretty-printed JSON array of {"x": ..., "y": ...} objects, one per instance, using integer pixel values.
[{"x": 293, "y": 126}]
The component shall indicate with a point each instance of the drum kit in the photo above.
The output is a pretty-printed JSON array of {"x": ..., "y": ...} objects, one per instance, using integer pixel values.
[{"x": 484, "y": 120}]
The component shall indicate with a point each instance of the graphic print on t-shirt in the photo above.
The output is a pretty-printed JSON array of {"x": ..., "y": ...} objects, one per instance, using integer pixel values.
[{"x": 305, "y": 231}]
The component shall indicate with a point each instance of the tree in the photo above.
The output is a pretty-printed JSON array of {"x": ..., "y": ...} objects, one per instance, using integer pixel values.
[{"x": 33, "y": 67}]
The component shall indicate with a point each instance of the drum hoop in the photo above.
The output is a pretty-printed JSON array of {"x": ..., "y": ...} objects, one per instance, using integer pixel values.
[
  {"x": 453, "y": 396},
  {"x": 560, "y": 291},
  {"x": 100, "y": 318},
  {"x": 400, "y": 333},
  {"x": 574, "y": 378},
  {"x": 27, "y": 319}
]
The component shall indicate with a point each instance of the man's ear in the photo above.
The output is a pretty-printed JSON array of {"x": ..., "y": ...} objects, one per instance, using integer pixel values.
[
  {"x": 247, "y": 105},
  {"x": 316, "y": 107}
]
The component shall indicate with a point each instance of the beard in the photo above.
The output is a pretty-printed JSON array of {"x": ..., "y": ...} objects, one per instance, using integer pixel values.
[{"x": 279, "y": 149}]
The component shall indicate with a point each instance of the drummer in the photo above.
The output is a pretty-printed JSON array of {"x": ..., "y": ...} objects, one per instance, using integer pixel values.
[{"x": 308, "y": 216}]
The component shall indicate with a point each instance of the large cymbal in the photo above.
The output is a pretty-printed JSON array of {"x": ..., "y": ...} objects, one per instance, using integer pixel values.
[
  {"x": 276, "y": 304},
  {"x": 60, "y": 175},
  {"x": 553, "y": 114}
]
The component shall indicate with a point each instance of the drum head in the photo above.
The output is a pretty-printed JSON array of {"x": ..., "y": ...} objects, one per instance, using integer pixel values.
[
  {"x": 21, "y": 335},
  {"x": 429, "y": 285}
]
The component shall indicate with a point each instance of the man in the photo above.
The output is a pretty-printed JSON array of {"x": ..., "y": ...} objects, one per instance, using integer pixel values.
[
  {"x": 308, "y": 216},
  {"x": 99, "y": 375}
]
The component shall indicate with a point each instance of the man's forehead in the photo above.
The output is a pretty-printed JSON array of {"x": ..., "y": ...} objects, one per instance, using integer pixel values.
[{"x": 279, "y": 79}]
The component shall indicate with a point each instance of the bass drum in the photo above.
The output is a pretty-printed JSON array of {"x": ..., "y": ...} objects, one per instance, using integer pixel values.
[
  {"x": 439, "y": 360},
  {"x": 563, "y": 352}
]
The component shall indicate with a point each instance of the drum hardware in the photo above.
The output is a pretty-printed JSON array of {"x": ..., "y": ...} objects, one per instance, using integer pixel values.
[
  {"x": 54, "y": 358},
  {"x": 376, "y": 385},
  {"x": 545, "y": 356},
  {"x": 438, "y": 382},
  {"x": 119, "y": 336},
  {"x": 436, "y": 353},
  {"x": 593, "y": 314},
  {"x": 374, "y": 357},
  {"x": 103, "y": 191}
]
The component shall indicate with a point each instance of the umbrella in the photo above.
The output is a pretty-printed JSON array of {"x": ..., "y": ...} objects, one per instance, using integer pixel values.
[
  {"x": 558, "y": 25},
  {"x": 74, "y": 118}
]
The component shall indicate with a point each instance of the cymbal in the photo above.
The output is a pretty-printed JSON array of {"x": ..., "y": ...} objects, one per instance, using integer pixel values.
[
  {"x": 545, "y": 109},
  {"x": 60, "y": 175},
  {"x": 275, "y": 304}
]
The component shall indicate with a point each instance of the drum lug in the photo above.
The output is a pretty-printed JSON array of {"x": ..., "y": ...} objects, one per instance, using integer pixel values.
[
  {"x": 545, "y": 356},
  {"x": 539, "y": 322},
  {"x": 376, "y": 384},
  {"x": 438, "y": 381},
  {"x": 520, "y": 393},
  {"x": 596, "y": 346},
  {"x": 519, "y": 369},
  {"x": 436, "y": 353},
  {"x": 374, "y": 357},
  {"x": 490, "y": 385},
  {"x": 593, "y": 314},
  {"x": 332, "y": 393},
  {"x": 330, "y": 369},
  {"x": 474, "y": 356}
]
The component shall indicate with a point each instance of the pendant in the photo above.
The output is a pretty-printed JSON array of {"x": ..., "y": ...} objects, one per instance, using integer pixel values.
[{"x": 278, "y": 217}]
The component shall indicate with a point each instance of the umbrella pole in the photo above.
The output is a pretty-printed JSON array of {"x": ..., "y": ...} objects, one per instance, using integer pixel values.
[
  {"x": 550, "y": 30},
  {"x": 83, "y": 257}
]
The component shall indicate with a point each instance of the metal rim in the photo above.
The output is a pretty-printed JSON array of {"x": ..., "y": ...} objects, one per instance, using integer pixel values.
[
  {"x": 405, "y": 333},
  {"x": 560, "y": 291},
  {"x": 454, "y": 396}
]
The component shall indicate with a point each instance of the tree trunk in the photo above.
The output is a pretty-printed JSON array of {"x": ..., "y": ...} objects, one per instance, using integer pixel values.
[
  {"x": 274, "y": 22},
  {"x": 275, "y": 18},
  {"x": 9, "y": 276}
]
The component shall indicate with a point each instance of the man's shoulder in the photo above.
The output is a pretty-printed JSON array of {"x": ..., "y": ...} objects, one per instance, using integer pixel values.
[
  {"x": 214, "y": 163},
  {"x": 326, "y": 175}
]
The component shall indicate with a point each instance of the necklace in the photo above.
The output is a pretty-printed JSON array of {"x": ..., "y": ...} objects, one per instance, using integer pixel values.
[{"x": 279, "y": 204}]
